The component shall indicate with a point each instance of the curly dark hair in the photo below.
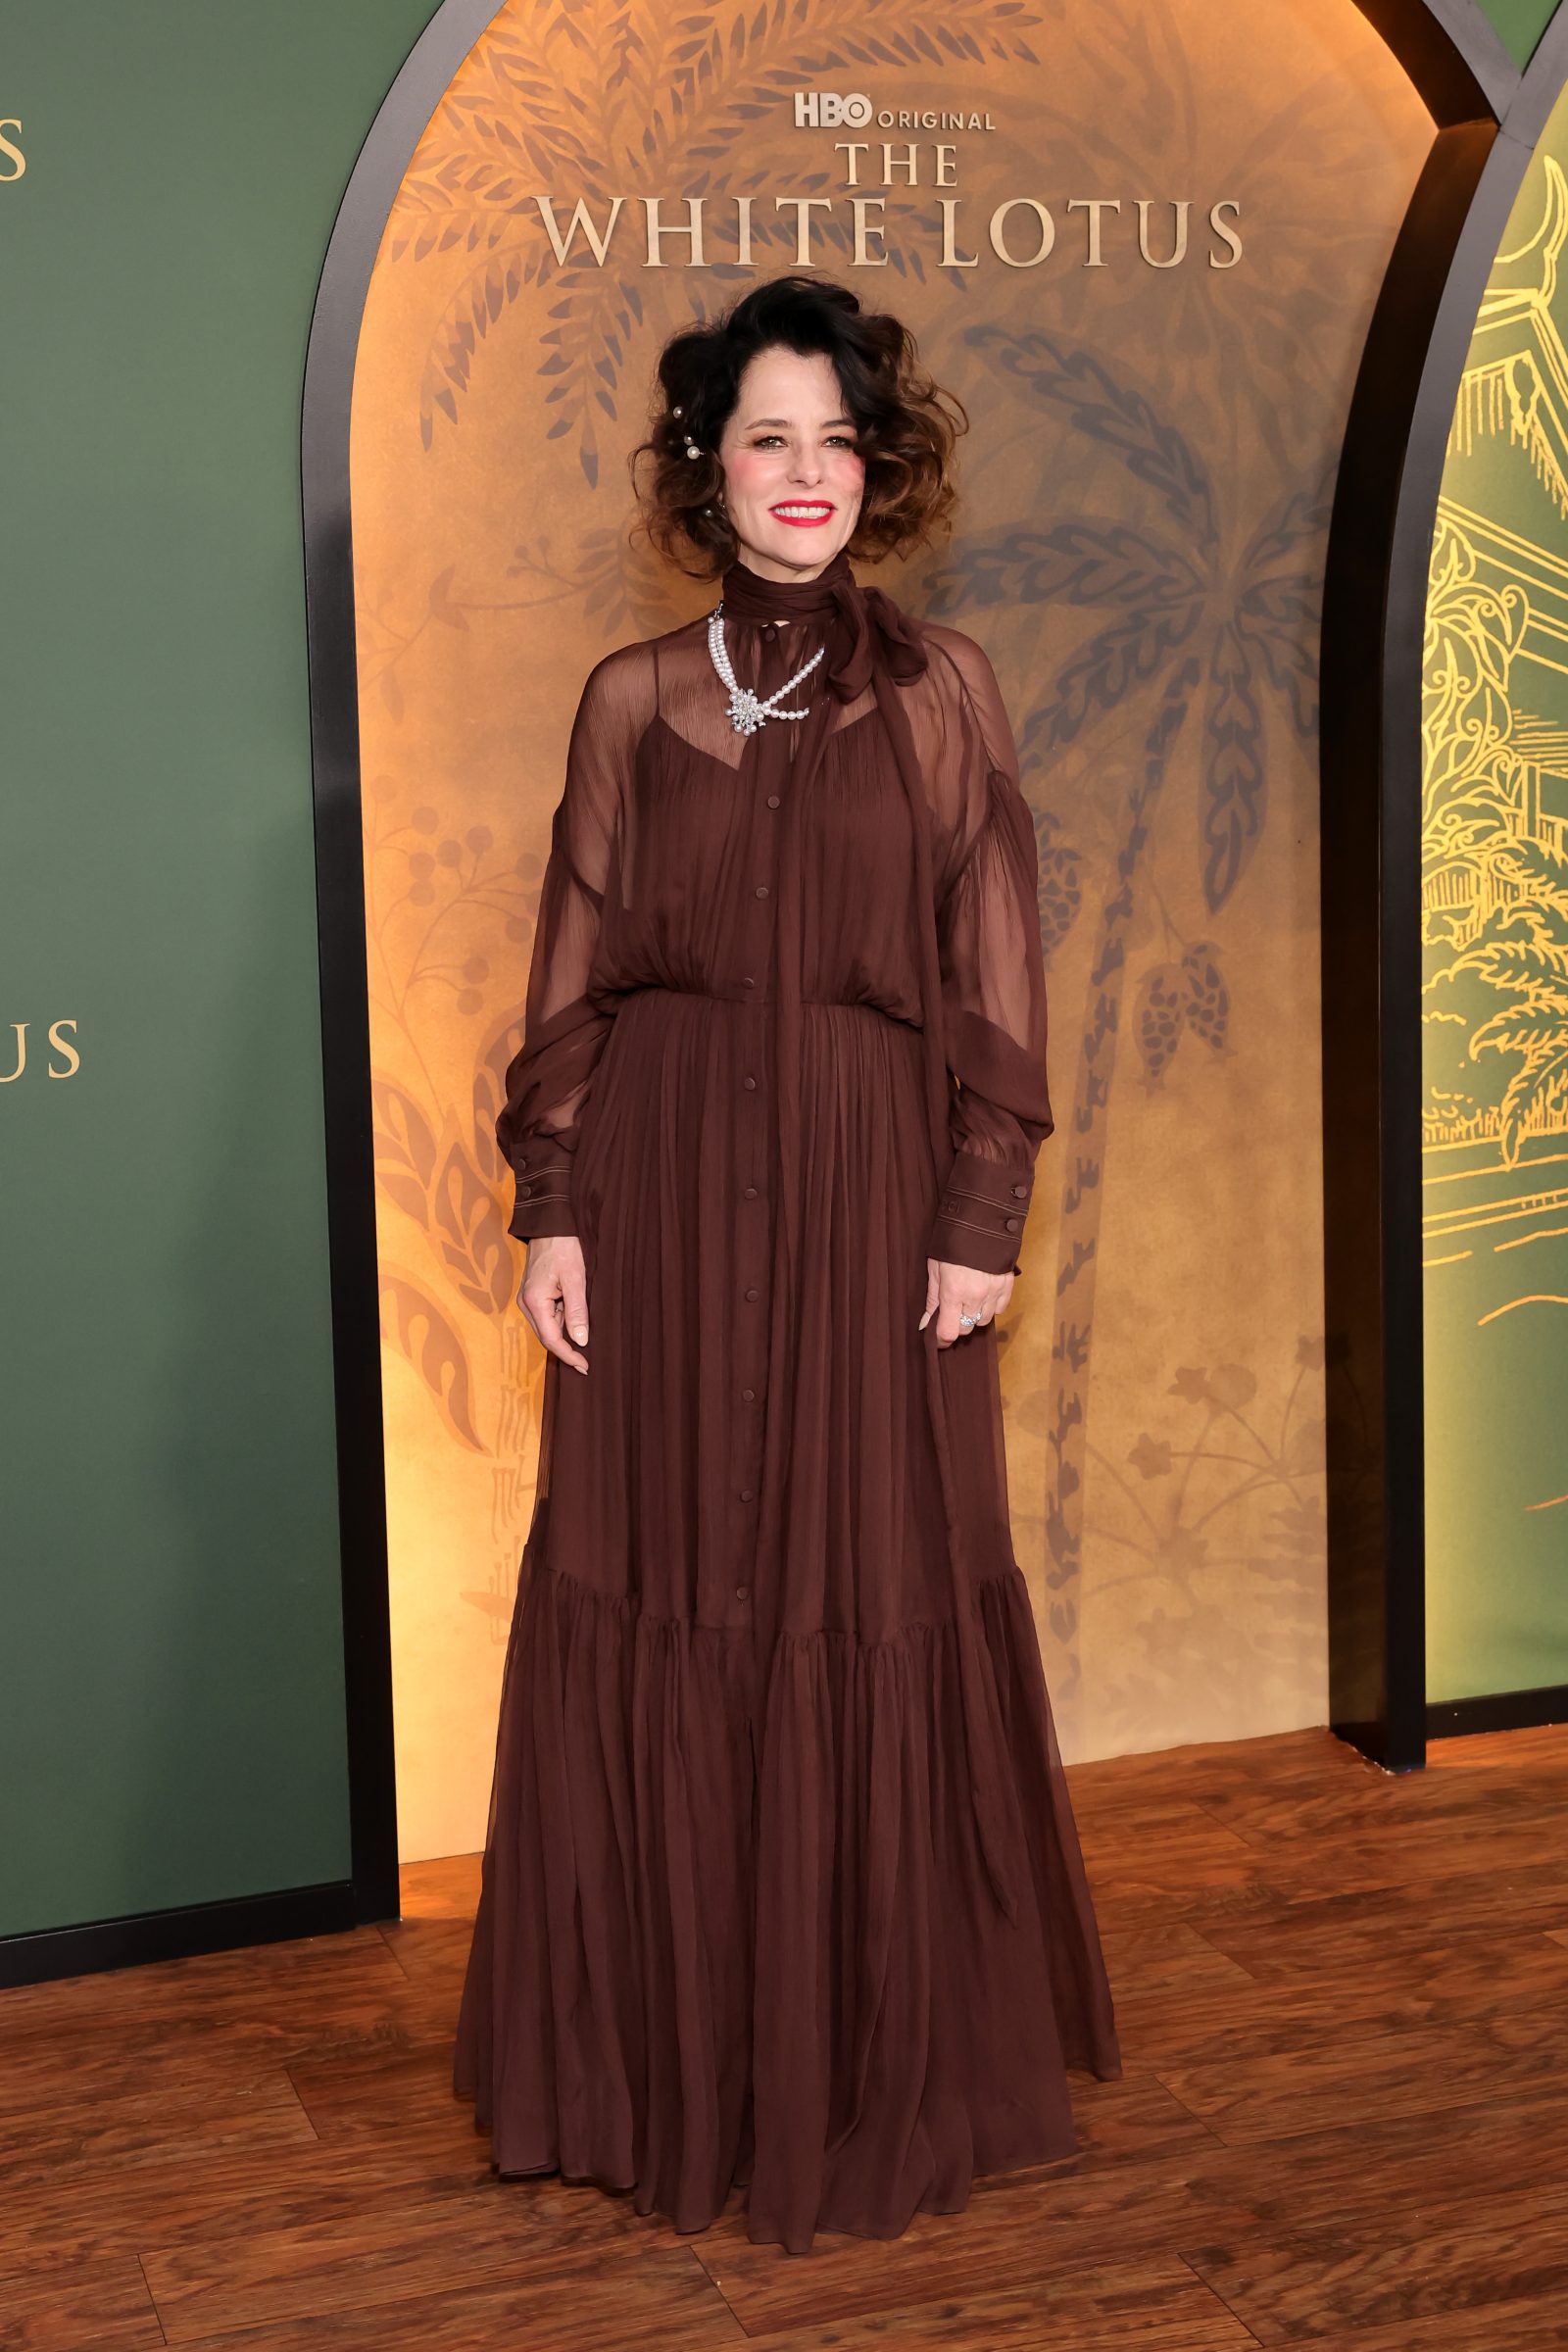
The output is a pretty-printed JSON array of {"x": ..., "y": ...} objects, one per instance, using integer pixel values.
[{"x": 906, "y": 434}]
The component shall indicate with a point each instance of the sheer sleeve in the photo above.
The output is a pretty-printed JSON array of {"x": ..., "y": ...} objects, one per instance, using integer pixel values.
[
  {"x": 993, "y": 986},
  {"x": 566, "y": 1023}
]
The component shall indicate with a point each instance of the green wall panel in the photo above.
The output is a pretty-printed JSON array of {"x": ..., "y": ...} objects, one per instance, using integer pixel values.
[
  {"x": 1521, "y": 24},
  {"x": 172, "y": 1712}
]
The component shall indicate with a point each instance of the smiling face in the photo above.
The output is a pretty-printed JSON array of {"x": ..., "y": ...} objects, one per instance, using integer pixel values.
[{"x": 793, "y": 478}]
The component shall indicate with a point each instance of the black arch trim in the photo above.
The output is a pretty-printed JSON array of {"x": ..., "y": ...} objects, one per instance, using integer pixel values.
[{"x": 328, "y": 390}]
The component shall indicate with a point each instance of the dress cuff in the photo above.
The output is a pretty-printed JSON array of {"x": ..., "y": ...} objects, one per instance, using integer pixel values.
[
  {"x": 543, "y": 1204},
  {"x": 980, "y": 1219}
]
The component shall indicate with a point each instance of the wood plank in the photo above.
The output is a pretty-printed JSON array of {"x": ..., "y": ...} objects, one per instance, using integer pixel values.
[
  {"x": 1410, "y": 2174},
  {"x": 103, "y": 2304},
  {"x": 1509, "y": 2327},
  {"x": 1290, "y": 2289},
  {"x": 666, "y": 2305},
  {"x": 1511, "y": 1990},
  {"x": 1154, "y": 1960},
  {"x": 244, "y": 2186},
  {"x": 432, "y": 1953},
  {"x": 148, "y": 2124},
  {"x": 1362, "y": 2077},
  {"x": 407, "y": 2251},
  {"x": 1153, "y": 2305},
  {"x": 277, "y": 1985},
  {"x": 1018, "y": 2233},
  {"x": 1345, "y": 1931}
]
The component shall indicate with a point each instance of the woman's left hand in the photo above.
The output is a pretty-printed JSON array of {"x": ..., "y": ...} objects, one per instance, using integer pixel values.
[{"x": 955, "y": 1290}]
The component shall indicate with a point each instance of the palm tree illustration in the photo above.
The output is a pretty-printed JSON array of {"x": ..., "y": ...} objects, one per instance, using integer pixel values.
[
  {"x": 1204, "y": 629},
  {"x": 1496, "y": 886}
]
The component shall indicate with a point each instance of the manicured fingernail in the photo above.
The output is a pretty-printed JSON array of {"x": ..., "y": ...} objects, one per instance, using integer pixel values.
[{"x": 581, "y": 1332}]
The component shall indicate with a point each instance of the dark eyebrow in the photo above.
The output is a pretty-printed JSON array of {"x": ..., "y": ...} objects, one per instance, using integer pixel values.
[{"x": 832, "y": 420}]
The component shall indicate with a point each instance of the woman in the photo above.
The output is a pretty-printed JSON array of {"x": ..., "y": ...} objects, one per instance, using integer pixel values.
[{"x": 781, "y": 1884}]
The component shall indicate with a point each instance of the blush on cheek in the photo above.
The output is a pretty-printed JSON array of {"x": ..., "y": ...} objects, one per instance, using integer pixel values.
[{"x": 751, "y": 470}]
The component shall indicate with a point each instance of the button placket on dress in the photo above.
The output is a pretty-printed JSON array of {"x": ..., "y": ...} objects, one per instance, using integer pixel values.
[{"x": 763, "y": 770}]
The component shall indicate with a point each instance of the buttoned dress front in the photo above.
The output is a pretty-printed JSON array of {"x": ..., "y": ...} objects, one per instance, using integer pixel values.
[{"x": 781, "y": 1887}]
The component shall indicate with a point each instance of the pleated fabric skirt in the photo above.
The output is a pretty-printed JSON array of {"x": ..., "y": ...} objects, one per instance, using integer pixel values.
[{"x": 738, "y": 1922}]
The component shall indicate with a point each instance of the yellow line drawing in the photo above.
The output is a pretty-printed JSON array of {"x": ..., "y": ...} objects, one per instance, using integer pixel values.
[{"x": 1494, "y": 769}]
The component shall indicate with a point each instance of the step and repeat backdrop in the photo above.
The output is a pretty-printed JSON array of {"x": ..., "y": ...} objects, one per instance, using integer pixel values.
[{"x": 1142, "y": 243}]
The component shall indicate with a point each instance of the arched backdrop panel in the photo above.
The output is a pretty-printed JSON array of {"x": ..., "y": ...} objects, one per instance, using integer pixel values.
[{"x": 1148, "y": 490}]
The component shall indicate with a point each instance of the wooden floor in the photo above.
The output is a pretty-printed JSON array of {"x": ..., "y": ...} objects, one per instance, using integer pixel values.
[{"x": 1344, "y": 2003}]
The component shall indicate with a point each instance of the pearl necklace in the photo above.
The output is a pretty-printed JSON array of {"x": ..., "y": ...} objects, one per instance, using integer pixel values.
[{"x": 747, "y": 714}]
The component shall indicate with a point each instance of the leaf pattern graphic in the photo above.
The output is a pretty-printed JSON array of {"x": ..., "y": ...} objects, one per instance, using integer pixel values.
[
  {"x": 473, "y": 1240},
  {"x": 415, "y": 1325},
  {"x": 405, "y": 1149},
  {"x": 1158, "y": 1014},
  {"x": 1232, "y": 806}
]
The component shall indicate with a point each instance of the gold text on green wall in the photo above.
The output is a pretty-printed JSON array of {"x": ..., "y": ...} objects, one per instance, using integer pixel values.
[
  {"x": 13, "y": 162},
  {"x": 21, "y": 1065}
]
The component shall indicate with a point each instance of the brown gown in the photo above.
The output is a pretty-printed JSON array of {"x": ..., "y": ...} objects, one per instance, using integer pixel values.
[{"x": 781, "y": 1884}]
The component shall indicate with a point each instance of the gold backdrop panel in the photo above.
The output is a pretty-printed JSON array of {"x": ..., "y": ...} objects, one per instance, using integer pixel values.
[{"x": 1158, "y": 408}]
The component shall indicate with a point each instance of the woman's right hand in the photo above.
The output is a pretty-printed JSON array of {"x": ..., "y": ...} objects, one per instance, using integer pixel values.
[{"x": 555, "y": 1295}]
